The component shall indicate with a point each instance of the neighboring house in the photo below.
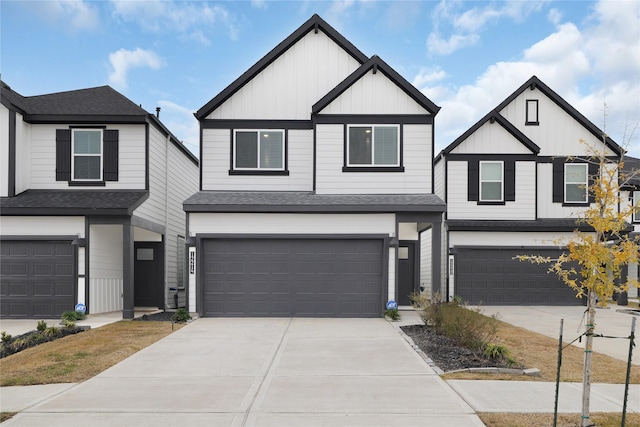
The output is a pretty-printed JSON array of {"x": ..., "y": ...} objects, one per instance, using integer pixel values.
[
  {"x": 630, "y": 187},
  {"x": 91, "y": 191},
  {"x": 316, "y": 186},
  {"x": 514, "y": 184}
]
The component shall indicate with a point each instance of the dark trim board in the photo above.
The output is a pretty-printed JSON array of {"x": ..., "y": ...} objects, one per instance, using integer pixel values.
[
  {"x": 11, "y": 181},
  {"x": 373, "y": 119},
  {"x": 255, "y": 124}
]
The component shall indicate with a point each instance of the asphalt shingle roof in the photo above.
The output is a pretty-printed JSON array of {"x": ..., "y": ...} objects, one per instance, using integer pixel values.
[
  {"x": 70, "y": 202},
  {"x": 214, "y": 201}
]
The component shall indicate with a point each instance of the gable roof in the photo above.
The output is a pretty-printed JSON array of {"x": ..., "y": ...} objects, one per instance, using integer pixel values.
[
  {"x": 315, "y": 23},
  {"x": 376, "y": 64},
  {"x": 535, "y": 83},
  {"x": 494, "y": 117}
]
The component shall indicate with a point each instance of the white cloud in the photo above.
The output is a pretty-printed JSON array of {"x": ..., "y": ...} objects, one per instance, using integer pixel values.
[
  {"x": 259, "y": 4},
  {"x": 191, "y": 19},
  {"x": 73, "y": 15},
  {"x": 554, "y": 16},
  {"x": 468, "y": 25},
  {"x": 427, "y": 76},
  {"x": 436, "y": 44},
  {"x": 123, "y": 60}
]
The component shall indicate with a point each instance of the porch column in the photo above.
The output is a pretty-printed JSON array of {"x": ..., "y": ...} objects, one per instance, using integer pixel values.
[
  {"x": 127, "y": 271},
  {"x": 436, "y": 257}
]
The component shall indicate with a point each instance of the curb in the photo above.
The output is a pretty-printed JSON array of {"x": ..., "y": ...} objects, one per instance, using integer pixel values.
[{"x": 531, "y": 372}]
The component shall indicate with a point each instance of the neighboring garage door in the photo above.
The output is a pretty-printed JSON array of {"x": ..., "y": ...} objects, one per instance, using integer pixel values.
[
  {"x": 292, "y": 277},
  {"x": 493, "y": 277},
  {"x": 37, "y": 279}
]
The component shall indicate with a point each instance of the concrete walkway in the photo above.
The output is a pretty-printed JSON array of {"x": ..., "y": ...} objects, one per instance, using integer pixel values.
[{"x": 262, "y": 372}]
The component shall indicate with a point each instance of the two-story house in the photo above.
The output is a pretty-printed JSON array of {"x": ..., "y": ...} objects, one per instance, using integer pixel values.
[
  {"x": 514, "y": 184},
  {"x": 91, "y": 192},
  {"x": 316, "y": 186}
]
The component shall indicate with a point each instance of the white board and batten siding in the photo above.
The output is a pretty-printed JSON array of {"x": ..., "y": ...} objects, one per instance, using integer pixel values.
[
  {"x": 546, "y": 207},
  {"x": 374, "y": 94},
  {"x": 458, "y": 206},
  {"x": 558, "y": 134},
  {"x": 216, "y": 160},
  {"x": 289, "y": 86},
  {"x": 131, "y": 146},
  {"x": 106, "y": 263},
  {"x": 4, "y": 151},
  {"x": 491, "y": 138},
  {"x": 23, "y": 154},
  {"x": 417, "y": 158},
  {"x": 426, "y": 260}
]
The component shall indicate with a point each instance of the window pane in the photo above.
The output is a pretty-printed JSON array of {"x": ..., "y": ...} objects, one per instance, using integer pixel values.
[
  {"x": 271, "y": 146},
  {"x": 86, "y": 167},
  {"x": 359, "y": 145},
  {"x": 576, "y": 174},
  {"x": 386, "y": 145},
  {"x": 575, "y": 193},
  {"x": 491, "y": 191},
  {"x": 246, "y": 149},
  {"x": 86, "y": 142},
  {"x": 491, "y": 171},
  {"x": 532, "y": 111}
]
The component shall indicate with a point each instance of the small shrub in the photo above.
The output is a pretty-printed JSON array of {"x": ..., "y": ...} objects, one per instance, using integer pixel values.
[
  {"x": 5, "y": 337},
  {"x": 51, "y": 332},
  {"x": 496, "y": 351},
  {"x": 42, "y": 325},
  {"x": 181, "y": 315},
  {"x": 72, "y": 316},
  {"x": 392, "y": 314},
  {"x": 68, "y": 323}
]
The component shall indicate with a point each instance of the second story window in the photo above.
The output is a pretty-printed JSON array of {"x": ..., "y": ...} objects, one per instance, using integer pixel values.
[
  {"x": 373, "y": 146},
  {"x": 576, "y": 179},
  {"x": 491, "y": 181},
  {"x": 532, "y": 112},
  {"x": 87, "y": 155},
  {"x": 636, "y": 203},
  {"x": 259, "y": 150}
]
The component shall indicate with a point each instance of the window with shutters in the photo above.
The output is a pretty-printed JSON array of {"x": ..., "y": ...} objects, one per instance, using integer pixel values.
[
  {"x": 491, "y": 182},
  {"x": 86, "y": 153},
  {"x": 636, "y": 202},
  {"x": 87, "y": 156},
  {"x": 259, "y": 151},
  {"x": 373, "y": 146},
  {"x": 576, "y": 183}
]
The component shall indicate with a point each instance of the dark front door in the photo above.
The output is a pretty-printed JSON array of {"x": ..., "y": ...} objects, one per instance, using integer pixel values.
[
  {"x": 148, "y": 274},
  {"x": 406, "y": 272}
]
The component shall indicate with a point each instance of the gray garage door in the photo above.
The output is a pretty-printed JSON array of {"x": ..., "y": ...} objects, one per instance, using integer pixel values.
[
  {"x": 492, "y": 277},
  {"x": 292, "y": 277},
  {"x": 37, "y": 279}
]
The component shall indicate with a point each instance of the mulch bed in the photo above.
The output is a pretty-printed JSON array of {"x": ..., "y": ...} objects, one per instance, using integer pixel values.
[
  {"x": 34, "y": 338},
  {"x": 162, "y": 316},
  {"x": 446, "y": 353}
]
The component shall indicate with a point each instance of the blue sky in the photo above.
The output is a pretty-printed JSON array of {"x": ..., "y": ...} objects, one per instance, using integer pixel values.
[{"x": 465, "y": 56}]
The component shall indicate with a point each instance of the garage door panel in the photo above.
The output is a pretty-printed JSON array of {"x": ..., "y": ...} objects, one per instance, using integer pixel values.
[
  {"x": 294, "y": 277},
  {"x": 492, "y": 277}
]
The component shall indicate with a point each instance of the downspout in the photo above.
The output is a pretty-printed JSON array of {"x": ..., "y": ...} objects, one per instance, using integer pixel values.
[{"x": 166, "y": 218}]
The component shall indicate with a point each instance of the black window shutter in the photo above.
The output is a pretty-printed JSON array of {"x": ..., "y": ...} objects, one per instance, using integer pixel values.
[
  {"x": 110, "y": 162},
  {"x": 473, "y": 181},
  {"x": 509, "y": 181},
  {"x": 594, "y": 170},
  {"x": 558, "y": 180},
  {"x": 63, "y": 154}
]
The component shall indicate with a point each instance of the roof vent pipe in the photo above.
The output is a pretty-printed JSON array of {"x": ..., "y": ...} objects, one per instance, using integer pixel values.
[{"x": 158, "y": 112}]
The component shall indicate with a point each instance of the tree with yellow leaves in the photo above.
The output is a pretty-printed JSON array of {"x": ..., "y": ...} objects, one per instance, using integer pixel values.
[{"x": 593, "y": 262}]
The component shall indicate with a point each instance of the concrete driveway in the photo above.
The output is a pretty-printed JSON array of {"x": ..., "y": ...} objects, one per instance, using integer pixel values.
[{"x": 263, "y": 372}]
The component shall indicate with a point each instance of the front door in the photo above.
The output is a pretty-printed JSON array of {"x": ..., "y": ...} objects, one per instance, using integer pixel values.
[
  {"x": 148, "y": 274},
  {"x": 406, "y": 272}
]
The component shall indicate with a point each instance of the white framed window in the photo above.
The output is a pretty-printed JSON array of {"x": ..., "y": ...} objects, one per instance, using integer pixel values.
[
  {"x": 576, "y": 183},
  {"x": 636, "y": 201},
  {"x": 491, "y": 181},
  {"x": 86, "y": 155},
  {"x": 373, "y": 145},
  {"x": 532, "y": 112},
  {"x": 258, "y": 150}
]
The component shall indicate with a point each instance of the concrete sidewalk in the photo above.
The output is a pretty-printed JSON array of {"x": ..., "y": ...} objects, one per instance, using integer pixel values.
[{"x": 262, "y": 372}]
